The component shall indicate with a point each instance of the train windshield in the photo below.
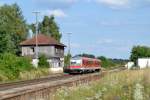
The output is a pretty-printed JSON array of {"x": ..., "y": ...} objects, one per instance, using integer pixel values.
[{"x": 73, "y": 63}]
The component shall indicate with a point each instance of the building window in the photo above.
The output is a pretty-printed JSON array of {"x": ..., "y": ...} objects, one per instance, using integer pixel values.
[
  {"x": 56, "y": 50},
  {"x": 32, "y": 48}
]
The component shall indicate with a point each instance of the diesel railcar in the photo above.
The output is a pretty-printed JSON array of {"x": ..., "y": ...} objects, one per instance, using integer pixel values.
[{"x": 83, "y": 65}]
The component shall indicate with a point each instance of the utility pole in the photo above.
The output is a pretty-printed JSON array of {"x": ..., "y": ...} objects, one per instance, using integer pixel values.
[
  {"x": 69, "y": 47},
  {"x": 36, "y": 48}
]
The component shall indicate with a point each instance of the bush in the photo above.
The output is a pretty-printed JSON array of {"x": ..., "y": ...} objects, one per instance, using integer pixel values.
[
  {"x": 43, "y": 62},
  {"x": 11, "y": 65}
]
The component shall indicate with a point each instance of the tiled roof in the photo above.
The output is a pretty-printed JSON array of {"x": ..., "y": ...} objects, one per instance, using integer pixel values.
[{"x": 41, "y": 40}]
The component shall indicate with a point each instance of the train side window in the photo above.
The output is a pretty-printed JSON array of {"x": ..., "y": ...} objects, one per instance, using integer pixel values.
[
  {"x": 96, "y": 63},
  {"x": 84, "y": 62}
]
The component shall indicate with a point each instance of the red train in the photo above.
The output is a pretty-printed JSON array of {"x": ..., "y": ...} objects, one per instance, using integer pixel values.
[{"x": 83, "y": 65}]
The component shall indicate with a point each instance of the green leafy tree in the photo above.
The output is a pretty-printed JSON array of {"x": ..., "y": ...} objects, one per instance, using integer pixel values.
[
  {"x": 12, "y": 28},
  {"x": 49, "y": 27},
  {"x": 67, "y": 59},
  {"x": 6, "y": 43},
  {"x": 43, "y": 61},
  {"x": 139, "y": 52}
]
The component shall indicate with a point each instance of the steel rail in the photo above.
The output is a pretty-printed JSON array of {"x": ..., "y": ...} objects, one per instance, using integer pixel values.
[{"x": 6, "y": 86}]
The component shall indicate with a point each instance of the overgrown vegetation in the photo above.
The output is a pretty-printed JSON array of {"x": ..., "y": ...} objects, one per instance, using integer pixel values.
[
  {"x": 125, "y": 85},
  {"x": 43, "y": 63}
]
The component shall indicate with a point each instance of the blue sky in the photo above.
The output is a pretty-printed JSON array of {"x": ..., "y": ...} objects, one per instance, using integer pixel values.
[{"x": 100, "y": 27}]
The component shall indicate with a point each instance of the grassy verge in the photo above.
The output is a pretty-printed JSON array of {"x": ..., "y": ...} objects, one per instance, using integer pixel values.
[
  {"x": 125, "y": 85},
  {"x": 26, "y": 75},
  {"x": 34, "y": 74}
]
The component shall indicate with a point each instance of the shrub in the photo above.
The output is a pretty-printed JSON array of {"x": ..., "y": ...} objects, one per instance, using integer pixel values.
[
  {"x": 11, "y": 65},
  {"x": 43, "y": 62}
]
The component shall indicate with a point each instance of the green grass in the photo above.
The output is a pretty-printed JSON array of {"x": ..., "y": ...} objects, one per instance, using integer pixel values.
[{"x": 125, "y": 85}]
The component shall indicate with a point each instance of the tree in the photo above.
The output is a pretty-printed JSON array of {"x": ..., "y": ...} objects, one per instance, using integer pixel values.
[
  {"x": 32, "y": 27},
  {"x": 139, "y": 52},
  {"x": 12, "y": 28},
  {"x": 86, "y": 55},
  {"x": 6, "y": 43},
  {"x": 49, "y": 27}
]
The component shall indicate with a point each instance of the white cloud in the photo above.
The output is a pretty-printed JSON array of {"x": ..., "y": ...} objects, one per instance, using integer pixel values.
[
  {"x": 56, "y": 13},
  {"x": 55, "y": 4},
  {"x": 115, "y": 3},
  {"x": 124, "y": 3}
]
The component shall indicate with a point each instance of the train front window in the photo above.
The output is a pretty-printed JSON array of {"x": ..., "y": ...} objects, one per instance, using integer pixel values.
[{"x": 75, "y": 64}]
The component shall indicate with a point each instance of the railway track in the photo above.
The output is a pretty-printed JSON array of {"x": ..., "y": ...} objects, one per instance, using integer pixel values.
[
  {"x": 16, "y": 89},
  {"x": 6, "y": 86}
]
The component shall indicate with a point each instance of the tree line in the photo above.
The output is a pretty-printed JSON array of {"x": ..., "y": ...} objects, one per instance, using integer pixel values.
[{"x": 14, "y": 28}]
